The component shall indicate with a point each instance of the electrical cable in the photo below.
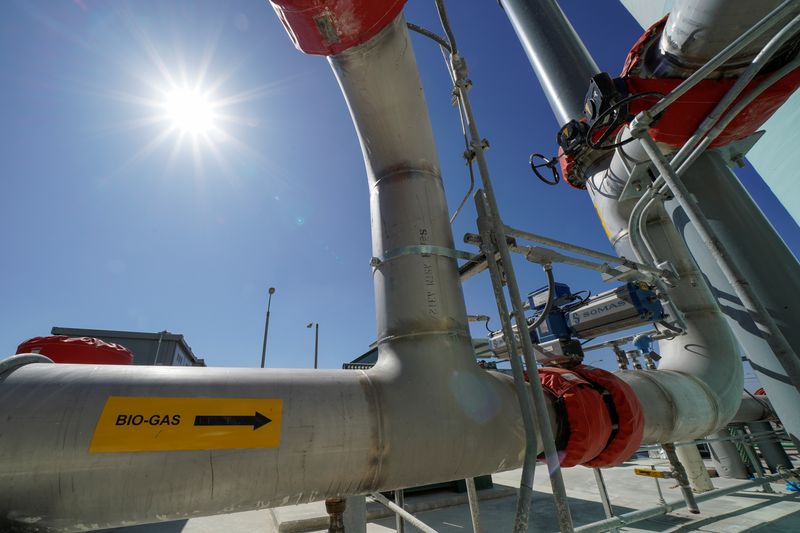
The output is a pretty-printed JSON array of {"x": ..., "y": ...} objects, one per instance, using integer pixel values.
[
  {"x": 551, "y": 292},
  {"x": 446, "y": 26},
  {"x": 429, "y": 34},
  {"x": 615, "y": 107},
  {"x": 486, "y": 325}
]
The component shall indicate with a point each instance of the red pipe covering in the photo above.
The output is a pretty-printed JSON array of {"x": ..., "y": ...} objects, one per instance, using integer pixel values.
[
  {"x": 601, "y": 420},
  {"x": 626, "y": 414},
  {"x": 682, "y": 118},
  {"x": 77, "y": 350},
  {"x": 580, "y": 405},
  {"x": 327, "y": 27}
]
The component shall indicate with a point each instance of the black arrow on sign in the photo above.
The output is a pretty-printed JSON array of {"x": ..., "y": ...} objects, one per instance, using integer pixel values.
[{"x": 256, "y": 421}]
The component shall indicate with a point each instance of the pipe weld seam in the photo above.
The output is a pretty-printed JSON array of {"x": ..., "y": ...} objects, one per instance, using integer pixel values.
[
  {"x": 420, "y": 249},
  {"x": 405, "y": 172},
  {"x": 415, "y": 334}
]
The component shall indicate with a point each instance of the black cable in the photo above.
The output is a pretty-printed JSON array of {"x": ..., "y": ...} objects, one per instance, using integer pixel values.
[
  {"x": 430, "y": 35},
  {"x": 588, "y": 340},
  {"x": 616, "y": 122},
  {"x": 488, "y": 319},
  {"x": 551, "y": 292},
  {"x": 446, "y": 26}
]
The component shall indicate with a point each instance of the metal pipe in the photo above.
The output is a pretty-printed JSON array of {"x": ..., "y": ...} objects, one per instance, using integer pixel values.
[
  {"x": 540, "y": 407},
  {"x": 756, "y": 30},
  {"x": 400, "y": 501},
  {"x": 692, "y": 462},
  {"x": 601, "y": 487},
  {"x": 474, "y": 506},
  {"x": 525, "y": 496},
  {"x": 556, "y": 53},
  {"x": 732, "y": 271},
  {"x": 679, "y": 473},
  {"x": 338, "y": 432},
  {"x": 697, "y": 31},
  {"x": 410, "y": 518},
  {"x": 783, "y": 35},
  {"x": 633, "y": 517},
  {"x": 691, "y": 396},
  {"x": 584, "y": 251},
  {"x": 726, "y": 457},
  {"x": 734, "y": 111}
]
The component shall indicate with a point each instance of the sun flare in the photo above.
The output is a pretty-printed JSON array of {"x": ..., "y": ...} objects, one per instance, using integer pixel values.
[{"x": 189, "y": 111}]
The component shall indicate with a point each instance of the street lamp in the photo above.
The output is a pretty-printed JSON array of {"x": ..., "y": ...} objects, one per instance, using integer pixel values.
[
  {"x": 266, "y": 327},
  {"x": 316, "y": 340}
]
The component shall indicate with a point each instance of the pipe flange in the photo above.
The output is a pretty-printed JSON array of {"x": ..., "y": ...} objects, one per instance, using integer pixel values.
[{"x": 15, "y": 361}]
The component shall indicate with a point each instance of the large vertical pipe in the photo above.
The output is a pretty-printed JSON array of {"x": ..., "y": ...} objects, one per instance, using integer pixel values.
[
  {"x": 425, "y": 413},
  {"x": 767, "y": 264},
  {"x": 690, "y": 394},
  {"x": 558, "y": 56}
]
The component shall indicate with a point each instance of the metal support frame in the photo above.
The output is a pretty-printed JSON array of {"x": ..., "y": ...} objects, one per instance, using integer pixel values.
[
  {"x": 679, "y": 472},
  {"x": 474, "y": 508},
  {"x": 753, "y": 459},
  {"x": 604, "y": 499},
  {"x": 400, "y": 500},
  {"x": 413, "y": 520},
  {"x": 637, "y": 516},
  {"x": 669, "y": 174},
  {"x": 493, "y": 244}
]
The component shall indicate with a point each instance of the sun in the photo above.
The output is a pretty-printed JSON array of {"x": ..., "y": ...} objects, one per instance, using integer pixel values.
[{"x": 189, "y": 111}]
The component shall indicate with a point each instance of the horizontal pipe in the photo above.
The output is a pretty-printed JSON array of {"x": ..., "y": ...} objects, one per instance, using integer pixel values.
[{"x": 425, "y": 413}]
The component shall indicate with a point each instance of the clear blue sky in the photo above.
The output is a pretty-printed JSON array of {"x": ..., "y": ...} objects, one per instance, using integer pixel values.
[{"x": 109, "y": 222}]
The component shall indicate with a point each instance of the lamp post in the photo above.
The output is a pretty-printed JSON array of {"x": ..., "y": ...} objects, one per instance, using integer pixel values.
[
  {"x": 271, "y": 291},
  {"x": 316, "y": 340}
]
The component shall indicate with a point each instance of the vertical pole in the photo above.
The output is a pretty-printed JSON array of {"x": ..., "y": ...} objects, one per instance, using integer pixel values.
[
  {"x": 270, "y": 292},
  {"x": 680, "y": 476},
  {"x": 355, "y": 514},
  {"x": 474, "y": 510},
  {"x": 601, "y": 486},
  {"x": 558, "y": 56},
  {"x": 399, "y": 499},
  {"x": 316, "y": 344}
]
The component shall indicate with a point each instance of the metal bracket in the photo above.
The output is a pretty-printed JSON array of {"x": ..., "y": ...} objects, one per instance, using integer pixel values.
[
  {"x": 420, "y": 249},
  {"x": 734, "y": 152}
]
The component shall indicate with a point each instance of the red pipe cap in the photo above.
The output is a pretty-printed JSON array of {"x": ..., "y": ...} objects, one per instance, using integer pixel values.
[
  {"x": 327, "y": 27},
  {"x": 77, "y": 350}
]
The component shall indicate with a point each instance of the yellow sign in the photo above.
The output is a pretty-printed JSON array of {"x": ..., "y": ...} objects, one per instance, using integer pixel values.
[
  {"x": 651, "y": 473},
  {"x": 145, "y": 424}
]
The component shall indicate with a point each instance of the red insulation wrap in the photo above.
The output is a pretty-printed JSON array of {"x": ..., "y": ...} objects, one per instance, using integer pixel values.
[
  {"x": 327, "y": 27},
  {"x": 77, "y": 350},
  {"x": 586, "y": 416},
  {"x": 682, "y": 118},
  {"x": 627, "y": 414}
]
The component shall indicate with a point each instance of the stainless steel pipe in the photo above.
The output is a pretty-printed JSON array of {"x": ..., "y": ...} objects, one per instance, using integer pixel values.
[{"x": 425, "y": 413}]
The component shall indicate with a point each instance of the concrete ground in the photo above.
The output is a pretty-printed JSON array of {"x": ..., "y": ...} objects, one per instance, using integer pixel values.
[{"x": 447, "y": 512}]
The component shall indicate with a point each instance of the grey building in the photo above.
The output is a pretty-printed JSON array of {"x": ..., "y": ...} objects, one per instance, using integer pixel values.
[{"x": 161, "y": 349}]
